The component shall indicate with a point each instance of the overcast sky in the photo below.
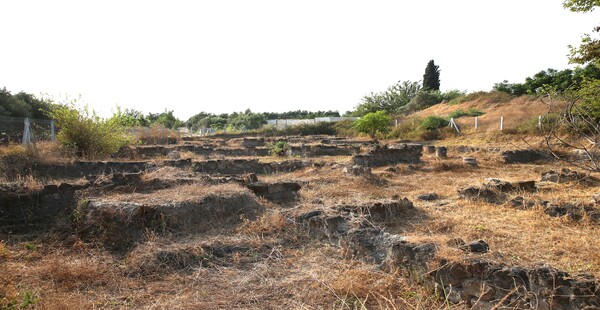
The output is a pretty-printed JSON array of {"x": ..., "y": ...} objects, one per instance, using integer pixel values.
[{"x": 225, "y": 56}]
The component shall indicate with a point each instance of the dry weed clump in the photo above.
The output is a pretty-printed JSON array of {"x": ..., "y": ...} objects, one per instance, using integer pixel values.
[
  {"x": 166, "y": 172},
  {"x": 77, "y": 273},
  {"x": 267, "y": 224},
  {"x": 355, "y": 285},
  {"x": 153, "y": 258}
]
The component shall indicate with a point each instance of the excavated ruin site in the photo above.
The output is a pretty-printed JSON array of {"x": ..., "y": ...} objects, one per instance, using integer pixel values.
[{"x": 218, "y": 223}]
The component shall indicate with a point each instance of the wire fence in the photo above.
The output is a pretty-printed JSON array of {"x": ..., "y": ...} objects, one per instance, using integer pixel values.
[
  {"x": 26, "y": 130},
  {"x": 488, "y": 124}
]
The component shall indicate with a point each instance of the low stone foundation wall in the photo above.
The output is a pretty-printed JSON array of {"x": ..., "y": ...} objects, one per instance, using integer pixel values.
[{"x": 389, "y": 155}]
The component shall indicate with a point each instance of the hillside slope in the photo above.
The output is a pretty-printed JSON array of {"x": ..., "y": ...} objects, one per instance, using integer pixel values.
[{"x": 516, "y": 112}]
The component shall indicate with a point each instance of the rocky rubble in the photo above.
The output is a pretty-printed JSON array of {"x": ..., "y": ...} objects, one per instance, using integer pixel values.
[
  {"x": 276, "y": 192},
  {"x": 524, "y": 156},
  {"x": 476, "y": 282}
]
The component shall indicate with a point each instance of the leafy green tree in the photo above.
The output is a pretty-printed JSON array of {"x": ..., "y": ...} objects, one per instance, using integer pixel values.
[
  {"x": 129, "y": 118},
  {"x": 391, "y": 101},
  {"x": 423, "y": 100},
  {"x": 246, "y": 120},
  {"x": 23, "y": 105},
  {"x": 581, "y": 5},
  {"x": 558, "y": 80},
  {"x": 373, "y": 123},
  {"x": 515, "y": 89},
  {"x": 431, "y": 78},
  {"x": 300, "y": 114},
  {"x": 166, "y": 119},
  {"x": 589, "y": 49},
  {"x": 196, "y": 118}
]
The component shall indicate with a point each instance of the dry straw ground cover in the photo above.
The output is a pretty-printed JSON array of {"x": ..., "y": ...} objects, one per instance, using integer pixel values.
[{"x": 269, "y": 262}]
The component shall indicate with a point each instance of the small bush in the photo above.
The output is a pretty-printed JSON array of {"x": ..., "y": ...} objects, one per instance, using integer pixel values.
[
  {"x": 530, "y": 126},
  {"x": 452, "y": 94},
  {"x": 87, "y": 133},
  {"x": 412, "y": 129},
  {"x": 373, "y": 123},
  {"x": 490, "y": 97},
  {"x": 279, "y": 148},
  {"x": 408, "y": 128},
  {"x": 434, "y": 123},
  {"x": 422, "y": 100},
  {"x": 470, "y": 112}
]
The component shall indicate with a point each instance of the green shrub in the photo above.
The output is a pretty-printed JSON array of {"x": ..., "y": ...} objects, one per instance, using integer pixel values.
[
  {"x": 490, "y": 97},
  {"x": 423, "y": 100},
  {"x": 470, "y": 112},
  {"x": 86, "y": 133},
  {"x": 452, "y": 94},
  {"x": 373, "y": 123},
  {"x": 530, "y": 126},
  {"x": 279, "y": 148},
  {"x": 434, "y": 122}
]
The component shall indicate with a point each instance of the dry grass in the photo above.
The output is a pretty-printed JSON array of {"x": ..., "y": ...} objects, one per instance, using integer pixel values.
[
  {"x": 515, "y": 112},
  {"x": 267, "y": 224},
  {"x": 177, "y": 194},
  {"x": 268, "y": 263}
]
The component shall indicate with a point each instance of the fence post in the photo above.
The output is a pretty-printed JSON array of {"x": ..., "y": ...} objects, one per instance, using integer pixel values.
[
  {"x": 540, "y": 122},
  {"x": 501, "y": 122},
  {"x": 52, "y": 132},
  {"x": 476, "y": 122},
  {"x": 396, "y": 123},
  {"x": 26, "y": 132},
  {"x": 453, "y": 125}
]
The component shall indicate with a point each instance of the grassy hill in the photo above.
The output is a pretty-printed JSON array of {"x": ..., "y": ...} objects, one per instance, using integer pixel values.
[{"x": 517, "y": 112}]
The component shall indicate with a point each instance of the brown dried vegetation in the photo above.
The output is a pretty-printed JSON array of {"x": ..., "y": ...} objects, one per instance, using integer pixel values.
[{"x": 271, "y": 263}]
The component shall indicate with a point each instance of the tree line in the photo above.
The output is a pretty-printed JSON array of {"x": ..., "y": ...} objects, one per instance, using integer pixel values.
[{"x": 24, "y": 104}]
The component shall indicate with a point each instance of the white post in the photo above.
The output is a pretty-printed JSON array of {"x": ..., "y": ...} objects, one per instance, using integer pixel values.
[
  {"x": 26, "y": 132},
  {"x": 52, "y": 132},
  {"x": 476, "y": 122},
  {"x": 396, "y": 123},
  {"x": 540, "y": 122},
  {"x": 453, "y": 124},
  {"x": 501, "y": 122}
]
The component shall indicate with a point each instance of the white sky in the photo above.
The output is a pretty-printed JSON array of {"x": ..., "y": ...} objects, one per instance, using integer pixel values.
[{"x": 225, "y": 56}]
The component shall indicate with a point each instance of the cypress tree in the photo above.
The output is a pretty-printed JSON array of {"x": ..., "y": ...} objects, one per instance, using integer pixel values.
[{"x": 431, "y": 78}]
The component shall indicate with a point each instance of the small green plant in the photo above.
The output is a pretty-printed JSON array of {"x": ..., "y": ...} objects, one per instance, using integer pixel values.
[
  {"x": 80, "y": 211},
  {"x": 433, "y": 123},
  {"x": 373, "y": 123},
  {"x": 29, "y": 298},
  {"x": 23, "y": 300},
  {"x": 279, "y": 148},
  {"x": 480, "y": 227},
  {"x": 4, "y": 253},
  {"x": 470, "y": 112},
  {"x": 30, "y": 246}
]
